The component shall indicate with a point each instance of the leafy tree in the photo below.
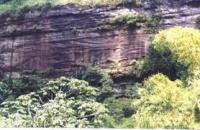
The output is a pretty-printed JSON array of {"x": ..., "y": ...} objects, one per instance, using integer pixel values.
[
  {"x": 61, "y": 103},
  {"x": 4, "y": 91},
  {"x": 96, "y": 77},
  {"x": 119, "y": 109},
  {"x": 175, "y": 52},
  {"x": 21, "y": 85},
  {"x": 166, "y": 104}
]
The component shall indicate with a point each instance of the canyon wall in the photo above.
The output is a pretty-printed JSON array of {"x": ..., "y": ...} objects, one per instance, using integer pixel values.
[{"x": 69, "y": 37}]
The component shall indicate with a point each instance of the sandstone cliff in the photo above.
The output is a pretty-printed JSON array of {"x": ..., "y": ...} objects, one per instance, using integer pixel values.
[{"x": 69, "y": 37}]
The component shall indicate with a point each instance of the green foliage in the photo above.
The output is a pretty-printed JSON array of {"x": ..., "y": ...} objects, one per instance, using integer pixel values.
[
  {"x": 96, "y": 77},
  {"x": 4, "y": 91},
  {"x": 119, "y": 108},
  {"x": 154, "y": 22},
  {"x": 165, "y": 104},
  {"x": 61, "y": 103},
  {"x": 20, "y": 4},
  {"x": 175, "y": 51},
  {"x": 198, "y": 20},
  {"x": 163, "y": 61},
  {"x": 15, "y": 31},
  {"x": 129, "y": 19},
  {"x": 15, "y": 6},
  {"x": 131, "y": 90},
  {"x": 62, "y": 112},
  {"x": 137, "y": 20},
  {"x": 23, "y": 84},
  {"x": 20, "y": 85},
  {"x": 79, "y": 88},
  {"x": 108, "y": 122},
  {"x": 137, "y": 68},
  {"x": 160, "y": 102}
]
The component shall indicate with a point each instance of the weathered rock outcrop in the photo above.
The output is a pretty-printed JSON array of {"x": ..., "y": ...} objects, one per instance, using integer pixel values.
[{"x": 68, "y": 37}]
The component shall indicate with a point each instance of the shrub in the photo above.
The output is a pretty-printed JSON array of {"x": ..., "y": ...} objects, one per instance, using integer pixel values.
[
  {"x": 137, "y": 69},
  {"x": 154, "y": 22},
  {"x": 24, "y": 84},
  {"x": 4, "y": 91},
  {"x": 166, "y": 104},
  {"x": 198, "y": 20},
  {"x": 96, "y": 77},
  {"x": 131, "y": 90},
  {"x": 175, "y": 51},
  {"x": 129, "y": 19},
  {"x": 120, "y": 110}
]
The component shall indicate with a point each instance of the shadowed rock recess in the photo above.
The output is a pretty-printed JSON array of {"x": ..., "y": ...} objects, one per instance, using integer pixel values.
[{"x": 69, "y": 37}]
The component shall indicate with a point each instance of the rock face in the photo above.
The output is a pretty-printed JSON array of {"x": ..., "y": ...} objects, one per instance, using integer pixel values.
[{"x": 68, "y": 37}]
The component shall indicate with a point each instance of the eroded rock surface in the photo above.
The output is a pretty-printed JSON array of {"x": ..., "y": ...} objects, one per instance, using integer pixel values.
[{"x": 69, "y": 37}]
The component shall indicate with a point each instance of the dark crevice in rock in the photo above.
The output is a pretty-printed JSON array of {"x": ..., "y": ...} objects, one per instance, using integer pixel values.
[{"x": 193, "y": 3}]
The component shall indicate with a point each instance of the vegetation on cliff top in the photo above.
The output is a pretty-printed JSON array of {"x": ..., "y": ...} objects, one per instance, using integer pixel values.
[{"x": 16, "y": 5}]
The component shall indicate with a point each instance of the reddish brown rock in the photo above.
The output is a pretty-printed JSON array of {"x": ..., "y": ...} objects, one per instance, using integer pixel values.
[{"x": 68, "y": 37}]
